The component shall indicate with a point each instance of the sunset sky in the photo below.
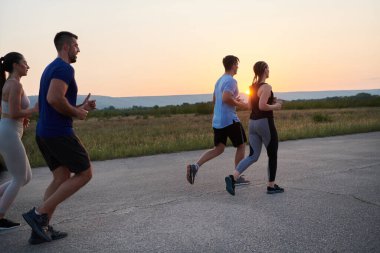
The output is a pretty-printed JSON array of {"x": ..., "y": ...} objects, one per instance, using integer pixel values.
[{"x": 170, "y": 47}]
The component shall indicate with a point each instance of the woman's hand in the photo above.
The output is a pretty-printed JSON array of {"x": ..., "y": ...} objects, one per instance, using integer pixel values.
[
  {"x": 278, "y": 104},
  {"x": 26, "y": 122}
]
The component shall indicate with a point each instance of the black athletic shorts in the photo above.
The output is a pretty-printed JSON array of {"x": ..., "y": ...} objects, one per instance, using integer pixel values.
[
  {"x": 234, "y": 131},
  {"x": 65, "y": 151}
]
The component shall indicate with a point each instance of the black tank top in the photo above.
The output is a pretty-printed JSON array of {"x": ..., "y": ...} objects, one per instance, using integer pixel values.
[{"x": 256, "y": 112}]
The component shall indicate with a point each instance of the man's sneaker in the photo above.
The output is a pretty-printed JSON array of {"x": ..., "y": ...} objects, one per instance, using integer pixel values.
[
  {"x": 54, "y": 234},
  {"x": 275, "y": 189},
  {"x": 39, "y": 223},
  {"x": 230, "y": 184},
  {"x": 242, "y": 181},
  {"x": 191, "y": 172},
  {"x": 7, "y": 224}
]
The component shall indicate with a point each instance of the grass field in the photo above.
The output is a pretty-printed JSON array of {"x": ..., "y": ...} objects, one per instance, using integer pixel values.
[{"x": 118, "y": 137}]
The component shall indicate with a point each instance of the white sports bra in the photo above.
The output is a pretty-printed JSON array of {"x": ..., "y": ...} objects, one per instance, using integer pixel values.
[{"x": 24, "y": 104}]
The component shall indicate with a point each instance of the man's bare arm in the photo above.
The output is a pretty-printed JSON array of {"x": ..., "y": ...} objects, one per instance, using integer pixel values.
[{"x": 56, "y": 98}]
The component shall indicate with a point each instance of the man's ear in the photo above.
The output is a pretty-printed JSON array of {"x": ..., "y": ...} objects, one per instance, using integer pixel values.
[{"x": 65, "y": 47}]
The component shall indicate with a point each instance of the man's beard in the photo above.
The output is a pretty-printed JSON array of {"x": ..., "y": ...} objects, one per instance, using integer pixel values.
[{"x": 73, "y": 58}]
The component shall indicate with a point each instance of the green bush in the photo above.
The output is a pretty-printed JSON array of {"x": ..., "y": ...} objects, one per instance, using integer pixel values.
[{"x": 360, "y": 100}]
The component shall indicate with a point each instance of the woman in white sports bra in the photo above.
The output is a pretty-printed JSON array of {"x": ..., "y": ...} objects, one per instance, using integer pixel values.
[{"x": 14, "y": 117}]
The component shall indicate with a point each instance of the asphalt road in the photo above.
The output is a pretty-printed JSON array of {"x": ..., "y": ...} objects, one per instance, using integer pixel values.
[{"x": 331, "y": 204}]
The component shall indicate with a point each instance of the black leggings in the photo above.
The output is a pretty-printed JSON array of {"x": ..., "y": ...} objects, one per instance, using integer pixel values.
[{"x": 262, "y": 131}]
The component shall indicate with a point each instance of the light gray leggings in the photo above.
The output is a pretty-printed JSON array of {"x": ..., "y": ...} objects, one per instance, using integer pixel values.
[
  {"x": 261, "y": 131},
  {"x": 13, "y": 152}
]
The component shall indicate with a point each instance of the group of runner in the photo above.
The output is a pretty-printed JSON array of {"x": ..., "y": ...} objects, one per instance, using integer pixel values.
[{"x": 66, "y": 156}]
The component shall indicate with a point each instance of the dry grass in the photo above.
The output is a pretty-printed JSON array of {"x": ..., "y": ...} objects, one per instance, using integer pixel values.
[{"x": 137, "y": 136}]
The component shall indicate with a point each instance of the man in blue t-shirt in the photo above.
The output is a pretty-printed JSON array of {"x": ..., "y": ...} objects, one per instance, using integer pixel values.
[
  {"x": 60, "y": 147},
  {"x": 225, "y": 123}
]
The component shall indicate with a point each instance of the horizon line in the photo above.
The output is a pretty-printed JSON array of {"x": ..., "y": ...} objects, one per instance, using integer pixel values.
[{"x": 195, "y": 94}]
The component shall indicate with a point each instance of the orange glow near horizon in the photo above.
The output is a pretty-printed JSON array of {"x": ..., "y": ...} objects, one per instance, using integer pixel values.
[{"x": 177, "y": 47}]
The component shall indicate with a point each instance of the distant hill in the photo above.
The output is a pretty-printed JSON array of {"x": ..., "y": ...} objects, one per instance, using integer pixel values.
[{"x": 150, "y": 101}]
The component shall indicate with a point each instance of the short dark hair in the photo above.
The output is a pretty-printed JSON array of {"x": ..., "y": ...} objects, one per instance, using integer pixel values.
[
  {"x": 63, "y": 37},
  {"x": 229, "y": 61}
]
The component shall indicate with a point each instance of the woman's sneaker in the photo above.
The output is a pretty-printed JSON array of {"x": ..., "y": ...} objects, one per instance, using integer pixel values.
[
  {"x": 275, "y": 189},
  {"x": 230, "y": 184},
  {"x": 8, "y": 224}
]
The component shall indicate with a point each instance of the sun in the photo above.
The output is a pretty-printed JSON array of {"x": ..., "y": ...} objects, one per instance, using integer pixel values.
[{"x": 248, "y": 92}]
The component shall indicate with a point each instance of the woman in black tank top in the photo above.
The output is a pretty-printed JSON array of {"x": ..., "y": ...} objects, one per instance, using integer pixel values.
[
  {"x": 256, "y": 113},
  {"x": 262, "y": 129}
]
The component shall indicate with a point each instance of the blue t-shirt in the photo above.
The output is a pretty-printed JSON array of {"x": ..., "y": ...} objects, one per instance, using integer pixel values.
[
  {"x": 224, "y": 114},
  {"x": 51, "y": 123}
]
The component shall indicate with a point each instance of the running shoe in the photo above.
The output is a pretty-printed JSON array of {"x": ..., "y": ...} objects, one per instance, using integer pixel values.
[
  {"x": 230, "y": 184},
  {"x": 39, "y": 223},
  {"x": 191, "y": 172},
  {"x": 242, "y": 181},
  {"x": 275, "y": 189},
  {"x": 8, "y": 224},
  {"x": 54, "y": 234}
]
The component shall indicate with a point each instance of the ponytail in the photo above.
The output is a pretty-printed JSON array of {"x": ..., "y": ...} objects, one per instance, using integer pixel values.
[
  {"x": 2, "y": 77},
  {"x": 254, "y": 80}
]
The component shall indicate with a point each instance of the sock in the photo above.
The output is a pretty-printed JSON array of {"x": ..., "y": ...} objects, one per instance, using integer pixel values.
[
  {"x": 35, "y": 210},
  {"x": 197, "y": 166}
]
